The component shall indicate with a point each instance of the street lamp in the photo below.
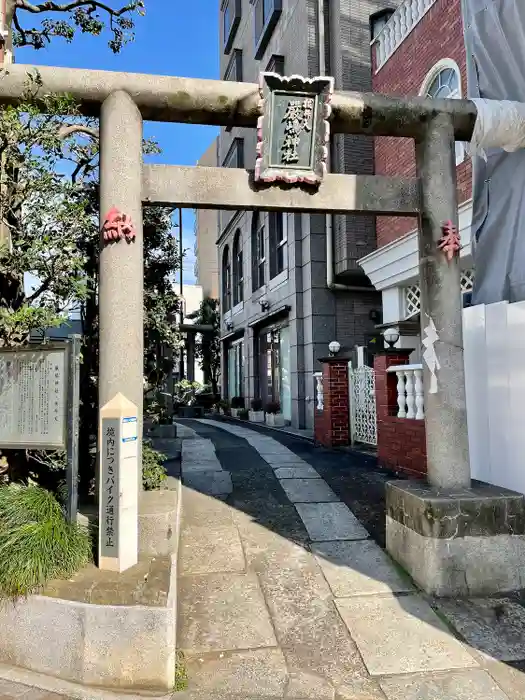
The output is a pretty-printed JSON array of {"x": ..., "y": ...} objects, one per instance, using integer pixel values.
[
  {"x": 391, "y": 336},
  {"x": 334, "y": 348}
]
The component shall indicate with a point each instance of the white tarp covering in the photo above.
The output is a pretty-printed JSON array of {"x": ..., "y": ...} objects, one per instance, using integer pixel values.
[{"x": 495, "y": 46}]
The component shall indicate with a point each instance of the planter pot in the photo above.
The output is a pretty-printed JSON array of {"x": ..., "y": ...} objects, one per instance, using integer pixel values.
[
  {"x": 191, "y": 411},
  {"x": 256, "y": 416},
  {"x": 275, "y": 420},
  {"x": 235, "y": 412}
]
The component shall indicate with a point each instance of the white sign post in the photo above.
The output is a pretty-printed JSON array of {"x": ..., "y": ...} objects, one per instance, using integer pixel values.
[{"x": 118, "y": 485}]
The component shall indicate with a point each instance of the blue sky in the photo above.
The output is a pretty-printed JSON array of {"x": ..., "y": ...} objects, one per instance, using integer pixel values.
[{"x": 168, "y": 41}]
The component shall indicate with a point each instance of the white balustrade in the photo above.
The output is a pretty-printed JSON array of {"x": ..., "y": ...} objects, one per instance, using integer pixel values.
[
  {"x": 410, "y": 397},
  {"x": 398, "y": 27},
  {"x": 319, "y": 390}
]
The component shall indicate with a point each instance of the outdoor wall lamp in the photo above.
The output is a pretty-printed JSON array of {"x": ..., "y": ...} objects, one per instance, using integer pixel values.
[
  {"x": 265, "y": 304},
  {"x": 229, "y": 325},
  {"x": 391, "y": 336},
  {"x": 334, "y": 348}
]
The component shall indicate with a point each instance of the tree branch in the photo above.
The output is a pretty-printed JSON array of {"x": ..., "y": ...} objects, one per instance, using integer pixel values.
[
  {"x": 66, "y": 131},
  {"x": 74, "y": 4}
]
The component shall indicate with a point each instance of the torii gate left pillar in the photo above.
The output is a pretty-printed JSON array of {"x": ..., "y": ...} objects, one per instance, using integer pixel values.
[{"x": 121, "y": 314}]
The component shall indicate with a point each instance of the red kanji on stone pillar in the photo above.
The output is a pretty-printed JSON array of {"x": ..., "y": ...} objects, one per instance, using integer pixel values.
[{"x": 332, "y": 427}]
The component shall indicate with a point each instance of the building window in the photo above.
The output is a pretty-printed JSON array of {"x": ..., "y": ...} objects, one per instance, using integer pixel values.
[
  {"x": 231, "y": 18},
  {"x": 238, "y": 274},
  {"x": 258, "y": 257},
  {"x": 276, "y": 65},
  {"x": 278, "y": 242},
  {"x": 233, "y": 71},
  {"x": 235, "y": 365},
  {"x": 235, "y": 156},
  {"x": 444, "y": 82},
  {"x": 226, "y": 281},
  {"x": 267, "y": 13}
]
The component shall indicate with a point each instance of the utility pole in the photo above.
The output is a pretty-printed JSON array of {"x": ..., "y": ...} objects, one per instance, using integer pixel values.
[{"x": 181, "y": 295}]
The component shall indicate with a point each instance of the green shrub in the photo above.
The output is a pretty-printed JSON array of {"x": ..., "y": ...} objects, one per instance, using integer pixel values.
[
  {"x": 243, "y": 414},
  {"x": 153, "y": 471},
  {"x": 37, "y": 544}
]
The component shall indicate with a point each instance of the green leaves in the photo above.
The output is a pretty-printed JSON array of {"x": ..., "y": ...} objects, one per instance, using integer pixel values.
[{"x": 87, "y": 16}]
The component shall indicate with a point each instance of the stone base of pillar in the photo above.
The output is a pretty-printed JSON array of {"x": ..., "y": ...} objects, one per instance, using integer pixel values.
[{"x": 463, "y": 542}]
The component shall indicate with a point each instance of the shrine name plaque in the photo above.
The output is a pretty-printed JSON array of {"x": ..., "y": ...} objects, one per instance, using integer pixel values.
[
  {"x": 293, "y": 132},
  {"x": 33, "y": 398}
]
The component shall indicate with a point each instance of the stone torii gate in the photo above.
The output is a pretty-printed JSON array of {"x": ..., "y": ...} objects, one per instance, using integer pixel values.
[{"x": 417, "y": 517}]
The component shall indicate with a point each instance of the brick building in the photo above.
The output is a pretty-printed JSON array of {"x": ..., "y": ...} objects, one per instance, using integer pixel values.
[{"x": 416, "y": 50}]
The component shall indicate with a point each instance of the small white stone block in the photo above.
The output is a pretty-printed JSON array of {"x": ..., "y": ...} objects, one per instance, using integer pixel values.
[{"x": 118, "y": 485}]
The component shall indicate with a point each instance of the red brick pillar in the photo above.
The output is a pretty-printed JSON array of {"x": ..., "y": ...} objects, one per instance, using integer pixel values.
[
  {"x": 400, "y": 442},
  {"x": 332, "y": 427}
]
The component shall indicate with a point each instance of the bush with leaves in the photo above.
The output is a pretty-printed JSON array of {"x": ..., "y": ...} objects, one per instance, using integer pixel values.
[
  {"x": 153, "y": 470},
  {"x": 37, "y": 544}
]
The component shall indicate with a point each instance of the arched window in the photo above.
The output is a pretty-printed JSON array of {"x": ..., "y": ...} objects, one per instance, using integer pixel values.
[
  {"x": 226, "y": 280},
  {"x": 444, "y": 82},
  {"x": 238, "y": 274}
]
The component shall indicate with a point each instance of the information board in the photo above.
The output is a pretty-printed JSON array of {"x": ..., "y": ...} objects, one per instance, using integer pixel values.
[{"x": 33, "y": 398}]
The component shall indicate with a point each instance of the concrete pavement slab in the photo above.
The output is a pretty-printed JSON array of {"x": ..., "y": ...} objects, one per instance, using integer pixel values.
[
  {"x": 308, "y": 491},
  {"x": 284, "y": 458},
  {"x": 206, "y": 550},
  {"x": 214, "y": 483},
  {"x": 222, "y": 612},
  {"x": 307, "y": 686},
  {"x": 326, "y": 522},
  {"x": 493, "y": 626},
  {"x": 469, "y": 685},
  {"x": 359, "y": 568},
  {"x": 259, "y": 673},
  {"x": 511, "y": 680},
  {"x": 297, "y": 472},
  {"x": 398, "y": 635}
]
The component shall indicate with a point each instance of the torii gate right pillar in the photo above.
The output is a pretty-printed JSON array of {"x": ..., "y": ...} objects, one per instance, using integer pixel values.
[{"x": 454, "y": 538}]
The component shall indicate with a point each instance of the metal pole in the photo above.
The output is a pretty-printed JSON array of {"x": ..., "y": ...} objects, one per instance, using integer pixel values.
[
  {"x": 181, "y": 294},
  {"x": 441, "y": 311},
  {"x": 73, "y": 414}
]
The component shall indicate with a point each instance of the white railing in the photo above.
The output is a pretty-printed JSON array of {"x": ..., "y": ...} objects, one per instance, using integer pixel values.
[
  {"x": 398, "y": 27},
  {"x": 319, "y": 390},
  {"x": 410, "y": 397}
]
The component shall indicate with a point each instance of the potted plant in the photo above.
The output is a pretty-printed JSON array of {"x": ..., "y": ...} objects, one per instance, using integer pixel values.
[
  {"x": 274, "y": 417},
  {"x": 224, "y": 407},
  {"x": 237, "y": 405},
  {"x": 243, "y": 414},
  {"x": 256, "y": 415}
]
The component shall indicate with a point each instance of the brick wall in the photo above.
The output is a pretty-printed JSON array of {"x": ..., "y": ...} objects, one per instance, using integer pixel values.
[
  {"x": 401, "y": 442},
  {"x": 332, "y": 427},
  {"x": 438, "y": 35}
]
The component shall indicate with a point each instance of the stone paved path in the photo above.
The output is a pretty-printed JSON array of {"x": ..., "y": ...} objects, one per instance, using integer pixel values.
[{"x": 283, "y": 594}]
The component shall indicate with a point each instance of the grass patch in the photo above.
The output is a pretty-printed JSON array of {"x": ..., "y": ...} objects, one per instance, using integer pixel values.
[
  {"x": 37, "y": 544},
  {"x": 181, "y": 675},
  {"x": 153, "y": 470}
]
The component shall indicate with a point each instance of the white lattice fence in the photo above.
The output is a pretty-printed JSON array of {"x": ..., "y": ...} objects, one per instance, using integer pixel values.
[
  {"x": 363, "y": 421},
  {"x": 413, "y": 293}
]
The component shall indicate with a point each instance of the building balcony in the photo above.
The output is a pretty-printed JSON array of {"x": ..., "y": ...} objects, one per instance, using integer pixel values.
[{"x": 403, "y": 21}]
